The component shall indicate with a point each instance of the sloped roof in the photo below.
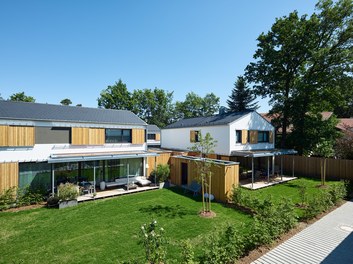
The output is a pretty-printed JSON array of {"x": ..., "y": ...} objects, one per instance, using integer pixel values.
[
  {"x": 48, "y": 112},
  {"x": 153, "y": 129},
  {"x": 215, "y": 120},
  {"x": 345, "y": 124}
]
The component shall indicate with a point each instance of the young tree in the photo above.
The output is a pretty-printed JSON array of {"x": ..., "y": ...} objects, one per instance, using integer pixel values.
[
  {"x": 324, "y": 150},
  {"x": 304, "y": 63},
  {"x": 242, "y": 97},
  {"x": 66, "y": 101},
  {"x": 116, "y": 97},
  {"x": 205, "y": 146},
  {"x": 21, "y": 97}
]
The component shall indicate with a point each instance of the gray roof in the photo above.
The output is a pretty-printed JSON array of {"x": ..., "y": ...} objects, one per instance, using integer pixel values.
[
  {"x": 48, "y": 112},
  {"x": 216, "y": 120},
  {"x": 153, "y": 129}
]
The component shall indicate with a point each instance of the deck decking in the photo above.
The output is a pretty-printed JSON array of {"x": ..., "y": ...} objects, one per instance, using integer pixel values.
[
  {"x": 114, "y": 192},
  {"x": 262, "y": 183}
]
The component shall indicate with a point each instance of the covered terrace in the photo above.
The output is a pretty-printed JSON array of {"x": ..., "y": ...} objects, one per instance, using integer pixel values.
[{"x": 272, "y": 174}]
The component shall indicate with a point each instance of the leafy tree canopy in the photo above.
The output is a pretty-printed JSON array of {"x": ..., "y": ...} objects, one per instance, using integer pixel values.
[
  {"x": 194, "y": 105},
  {"x": 242, "y": 97},
  {"x": 66, "y": 101},
  {"x": 20, "y": 96},
  {"x": 115, "y": 97},
  {"x": 304, "y": 64}
]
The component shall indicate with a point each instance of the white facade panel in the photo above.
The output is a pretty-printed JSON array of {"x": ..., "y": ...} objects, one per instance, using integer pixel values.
[
  {"x": 179, "y": 138},
  {"x": 41, "y": 152},
  {"x": 251, "y": 121}
]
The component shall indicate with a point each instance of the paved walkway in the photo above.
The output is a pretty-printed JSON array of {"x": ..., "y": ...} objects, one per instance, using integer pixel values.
[{"x": 329, "y": 240}]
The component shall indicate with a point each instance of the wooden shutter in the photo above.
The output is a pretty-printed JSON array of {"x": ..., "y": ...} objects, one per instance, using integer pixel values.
[
  {"x": 270, "y": 135},
  {"x": 253, "y": 136},
  {"x": 20, "y": 136},
  {"x": 80, "y": 136},
  {"x": 244, "y": 136},
  {"x": 96, "y": 136},
  {"x": 158, "y": 136},
  {"x": 138, "y": 136},
  {"x": 192, "y": 136}
]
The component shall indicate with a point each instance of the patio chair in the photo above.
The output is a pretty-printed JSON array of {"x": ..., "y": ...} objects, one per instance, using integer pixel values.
[
  {"x": 194, "y": 187},
  {"x": 142, "y": 181}
]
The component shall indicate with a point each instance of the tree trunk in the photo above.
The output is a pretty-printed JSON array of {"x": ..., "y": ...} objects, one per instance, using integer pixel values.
[{"x": 203, "y": 194}]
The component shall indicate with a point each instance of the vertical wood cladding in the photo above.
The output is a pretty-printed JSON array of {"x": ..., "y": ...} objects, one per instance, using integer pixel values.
[
  {"x": 158, "y": 136},
  {"x": 8, "y": 175},
  {"x": 270, "y": 137},
  {"x": 138, "y": 136},
  {"x": 244, "y": 136},
  {"x": 16, "y": 136},
  {"x": 253, "y": 136},
  {"x": 87, "y": 136}
]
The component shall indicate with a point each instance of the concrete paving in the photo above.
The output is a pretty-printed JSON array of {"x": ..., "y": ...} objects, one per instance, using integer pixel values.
[{"x": 328, "y": 241}]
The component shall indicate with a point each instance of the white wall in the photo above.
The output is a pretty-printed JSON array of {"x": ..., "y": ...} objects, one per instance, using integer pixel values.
[
  {"x": 179, "y": 138},
  {"x": 252, "y": 121}
]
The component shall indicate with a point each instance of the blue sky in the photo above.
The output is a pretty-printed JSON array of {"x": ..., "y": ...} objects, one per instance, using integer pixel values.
[{"x": 74, "y": 49}]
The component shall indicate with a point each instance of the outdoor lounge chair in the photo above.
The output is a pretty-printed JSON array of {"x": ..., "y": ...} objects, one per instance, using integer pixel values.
[
  {"x": 141, "y": 180},
  {"x": 194, "y": 187}
]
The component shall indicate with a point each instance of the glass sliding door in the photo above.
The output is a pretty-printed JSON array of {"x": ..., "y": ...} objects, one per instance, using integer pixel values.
[{"x": 35, "y": 175}]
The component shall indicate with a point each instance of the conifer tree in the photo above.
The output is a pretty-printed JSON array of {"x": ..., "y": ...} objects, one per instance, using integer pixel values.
[{"x": 242, "y": 97}]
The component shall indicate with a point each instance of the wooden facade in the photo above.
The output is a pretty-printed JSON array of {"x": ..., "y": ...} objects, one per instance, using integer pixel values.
[
  {"x": 16, "y": 136},
  {"x": 138, "y": 136},
  {"x": 8, "y": 175},
  {"x": 163, "y": 158},
  {"x": 158, "y": 136},
  {"x": 223, "y": 176}
]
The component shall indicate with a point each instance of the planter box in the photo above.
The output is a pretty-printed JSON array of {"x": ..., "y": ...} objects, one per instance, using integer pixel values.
[{"x": 70, "y": 203}]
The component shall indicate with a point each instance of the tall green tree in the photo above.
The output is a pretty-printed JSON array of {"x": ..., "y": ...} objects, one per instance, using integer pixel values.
[
  {"x": 304, "y": 63},
  {"x": 194, "y": 105},
  {"x": 20, "y": 96},
  {"x": 66, "y": 101},
  {"x": 116, "y": 96},
  {"x": 153, "y": 106},
  {"x": 242, "y": 97}
]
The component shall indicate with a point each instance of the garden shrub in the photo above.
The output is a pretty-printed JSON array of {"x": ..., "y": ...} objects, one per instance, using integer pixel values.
[
  {"x": 162, "y": 173},
  {"x": 225, "y": 246},
  {"x": 67, "y": 191},
  {"x": 8, "y": 198},
  {"x": 338, "y": 191},
  {"x": 26, "y": 196},
  {"x": 187, "y": 253},
  {"x": 154, "y": 242}
]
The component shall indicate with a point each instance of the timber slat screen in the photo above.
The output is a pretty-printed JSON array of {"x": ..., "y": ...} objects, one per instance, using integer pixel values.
[
  {"x": 138, "y": 136},
  {"x": 96, "y": 136},
  {"x": 16, "y": 136},
  {"x": 163, "y": 158},
  {"x": 310, "y": 167},
  {"x": 79, "y": 135},
  {"x": 8, "y": 175}
]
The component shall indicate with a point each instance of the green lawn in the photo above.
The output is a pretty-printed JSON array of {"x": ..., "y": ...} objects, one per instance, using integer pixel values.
[{"x": 105, "y": 231}]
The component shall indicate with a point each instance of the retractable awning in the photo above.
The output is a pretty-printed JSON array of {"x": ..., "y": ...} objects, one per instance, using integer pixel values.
[
  {"x": 264, "y": 153},
  {"x": 75, "y": 157}
]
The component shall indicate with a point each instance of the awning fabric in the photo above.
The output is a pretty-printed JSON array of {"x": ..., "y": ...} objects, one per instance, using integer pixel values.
[{"x": 75, "y": 157}]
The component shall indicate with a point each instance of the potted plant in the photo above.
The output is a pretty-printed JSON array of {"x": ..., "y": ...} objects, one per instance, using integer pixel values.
[
  {"x": 67, "y": 194},
  {"x": 161, "y": 174}
]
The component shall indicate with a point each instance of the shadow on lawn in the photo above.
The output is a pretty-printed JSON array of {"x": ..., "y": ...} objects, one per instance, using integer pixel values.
[{"x": 167, "y": 211}]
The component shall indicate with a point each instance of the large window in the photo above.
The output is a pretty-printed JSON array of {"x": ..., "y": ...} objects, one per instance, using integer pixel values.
[
  {"x": 121, "y": 168},
  {"x": 118, "y": 136},
  {"x": 263, "y": 136},
  {"x": 35, "y": 175},
  {"x": 237, "y": 136},
  {"x": 151, "y": 136}
]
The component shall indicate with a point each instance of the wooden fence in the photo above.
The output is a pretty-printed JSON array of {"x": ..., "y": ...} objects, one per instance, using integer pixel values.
[
  {"x": 310, "y": 167},
  {"x": 304, "y": 166}
]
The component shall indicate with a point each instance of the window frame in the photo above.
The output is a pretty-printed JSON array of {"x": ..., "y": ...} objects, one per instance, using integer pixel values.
[
  {"x": 263, "y": 136},
  {"x": 121, "y": 138},
  {"x": 238, "y": 136}
]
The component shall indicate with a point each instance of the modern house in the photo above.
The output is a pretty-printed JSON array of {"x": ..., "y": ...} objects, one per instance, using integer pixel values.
[
  {"x": 239, "y": 135},
  {"x": 43, "y": 145},
  {"x": 153, "y": 136}
]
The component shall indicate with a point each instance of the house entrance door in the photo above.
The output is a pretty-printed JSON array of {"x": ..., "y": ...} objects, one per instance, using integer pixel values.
[{"x": 184, "y": 173}]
